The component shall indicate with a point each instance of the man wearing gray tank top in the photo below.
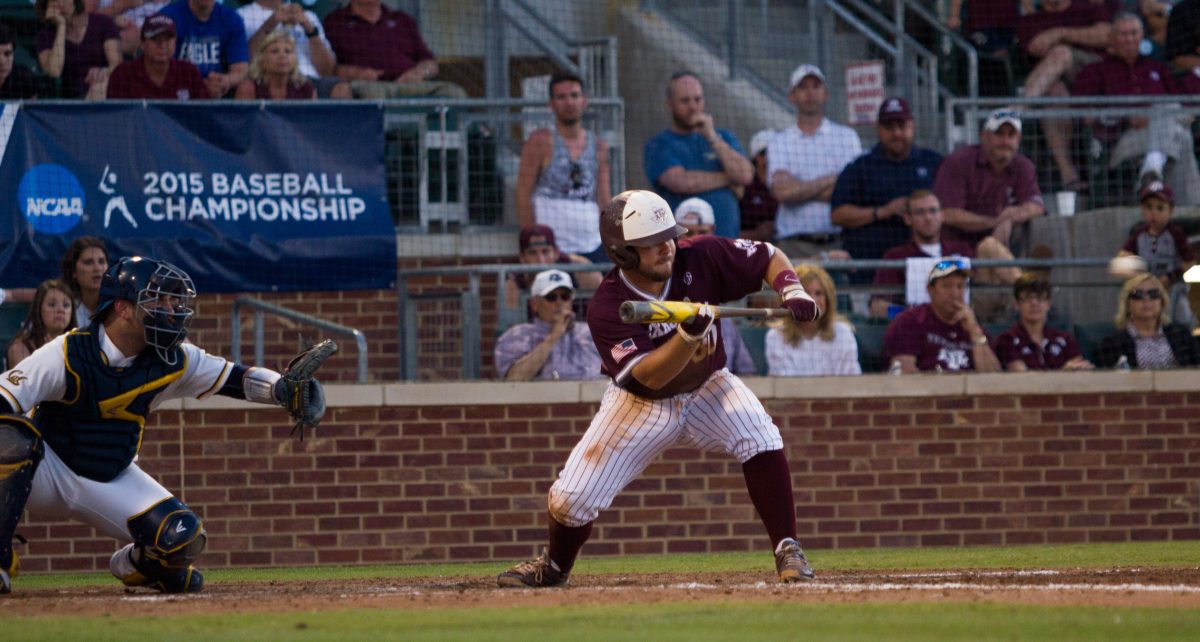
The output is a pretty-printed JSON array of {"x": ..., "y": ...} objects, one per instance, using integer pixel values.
[{"x": 563, "y": 179}]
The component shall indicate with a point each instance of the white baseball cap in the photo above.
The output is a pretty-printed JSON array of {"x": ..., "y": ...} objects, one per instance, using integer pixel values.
[
  {"x": 550, "y": 280},
  {"x": 1002, "y": 117},
  {"x": 695, "y": 211},
  {"x": 759, "y": 142},
  {"x": 804, "y": 71}
]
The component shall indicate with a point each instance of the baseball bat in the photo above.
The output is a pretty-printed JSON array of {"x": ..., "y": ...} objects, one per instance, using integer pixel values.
[{"x": 680, "y": 311}]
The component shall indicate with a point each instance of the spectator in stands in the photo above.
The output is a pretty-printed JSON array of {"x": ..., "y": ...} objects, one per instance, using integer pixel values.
[
  {"x": 695, "y": 158},
  {"x": 870, "y": 195},
  {"x": 1145, "y": 336},
  {"x": 313, "y": 52},
  {"x": 1154, "y": 15},
  {"x": 923, "y": 214},
  {"x": 539, "y": 247},
  {"x": 563, "y": 179},
  {"x": 1165, "y": 248},
  {"x": 1063, "y": 36},
  {"x": 382, "y": 54},
  {"x": 553, "y": 346},
  {"x": 212, "y": 37},
  {"x": 816, "y": 348},
  {"x": 83, "y": 267},
  {"x": 990, "y": 25},
  {"x": 79, "y": 47},
  {"x": 51, "y": 314},
  {"x": 157, "y": 75},
  {"x": 1031, "y": 344},
  {"x": 16, "y": 81},
  {"x": 757, "y": 205},
  {"x": 275, "y": 71},
  {"x": 696, "y": 215},
  {"x": 804, "y": 163},
  {"x": 942, "y": 335},
  {"x": 129, "y": 16},
  {"x": 1155, "y": 140},
  {"x": 988, "y": 188},
  {"x": 1183, "y": 36}
]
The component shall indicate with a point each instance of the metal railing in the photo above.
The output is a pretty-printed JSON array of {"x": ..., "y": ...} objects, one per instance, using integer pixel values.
[{"x": 262, "y": 307}]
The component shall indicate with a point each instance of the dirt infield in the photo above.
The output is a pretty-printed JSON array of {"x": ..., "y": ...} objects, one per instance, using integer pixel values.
[{"x": 1127, "y": 587}]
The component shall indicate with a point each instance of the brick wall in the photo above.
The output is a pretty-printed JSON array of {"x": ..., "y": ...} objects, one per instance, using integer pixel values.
[{"x": 397, "y": 474}]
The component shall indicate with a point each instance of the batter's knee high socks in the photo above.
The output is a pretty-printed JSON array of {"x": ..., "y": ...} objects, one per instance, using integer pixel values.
[
  {"x": 565, "y": 542},
  {"x": 769, "y": 482}
]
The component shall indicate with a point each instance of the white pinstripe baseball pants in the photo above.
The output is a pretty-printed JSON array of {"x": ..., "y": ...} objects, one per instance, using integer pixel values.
[{"x": 629, "y": 432}]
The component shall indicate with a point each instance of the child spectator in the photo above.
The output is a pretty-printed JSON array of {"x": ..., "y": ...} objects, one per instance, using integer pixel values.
[
  {"x": 816, "y": 348},
  {"x": 275, "y": 71},
  {"x": 83, "y": 268},
  {"x": 52, "y": 313},
  {"x": 77, "y": 46},
  {"x": 1164, "y": 247},
  {"x": 1030, "y": 344}
]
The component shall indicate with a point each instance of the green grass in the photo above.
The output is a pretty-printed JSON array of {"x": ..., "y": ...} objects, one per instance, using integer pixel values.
[
  {"x": 1181, "y": 554},
  {"x": 743, "y": 621}
]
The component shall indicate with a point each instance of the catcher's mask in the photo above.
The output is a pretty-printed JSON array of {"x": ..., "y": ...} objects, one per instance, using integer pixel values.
[{"x": 161, "y": 291}]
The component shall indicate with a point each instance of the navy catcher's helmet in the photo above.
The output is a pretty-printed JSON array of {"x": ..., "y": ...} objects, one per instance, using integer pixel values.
[{"x": 163, "y": 292}]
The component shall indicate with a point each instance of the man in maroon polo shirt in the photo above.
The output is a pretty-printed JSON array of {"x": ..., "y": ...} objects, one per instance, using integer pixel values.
[
  {"x": 942, "y": 335},
  {"x": 382, "y": 54},
  {"x": 988, "y": 188},
  {"x": 1154, "y": 139},
  {"x": 157, "y": 75},
  {"x": 1064, "y": 36}
]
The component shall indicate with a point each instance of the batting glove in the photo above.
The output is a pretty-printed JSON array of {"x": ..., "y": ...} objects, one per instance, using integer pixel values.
[
  {"x": 696, "y": 328},
  {"x": 795, "y": 299}
]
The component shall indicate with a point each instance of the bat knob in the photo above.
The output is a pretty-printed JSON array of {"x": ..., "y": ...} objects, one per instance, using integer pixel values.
[{"x": 628, "y": 312}]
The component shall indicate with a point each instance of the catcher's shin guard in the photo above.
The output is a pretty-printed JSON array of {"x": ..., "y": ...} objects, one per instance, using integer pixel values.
[
  {"x": 20, "y": 452},
  {"x": 167, "y": 538}
]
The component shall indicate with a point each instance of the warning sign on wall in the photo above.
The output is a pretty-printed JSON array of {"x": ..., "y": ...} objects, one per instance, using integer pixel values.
[{"x": 864, "y": 91}]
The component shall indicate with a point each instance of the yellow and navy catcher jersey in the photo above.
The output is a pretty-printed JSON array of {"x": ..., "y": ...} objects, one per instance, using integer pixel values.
[{"x": 91, "y": 402}]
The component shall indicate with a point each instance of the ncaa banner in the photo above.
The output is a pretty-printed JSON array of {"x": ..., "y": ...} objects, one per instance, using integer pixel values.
[{"x": 245, "y": 198}]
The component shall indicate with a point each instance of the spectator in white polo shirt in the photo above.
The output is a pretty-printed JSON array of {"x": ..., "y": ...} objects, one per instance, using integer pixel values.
[{"x": 803, "y": 163}]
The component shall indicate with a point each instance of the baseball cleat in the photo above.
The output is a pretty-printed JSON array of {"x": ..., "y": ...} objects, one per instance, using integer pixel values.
[
  {"x": 790, "y": 562},
  {"x": 538, "y": 572}
]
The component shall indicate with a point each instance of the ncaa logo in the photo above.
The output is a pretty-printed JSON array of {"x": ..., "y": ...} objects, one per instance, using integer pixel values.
[{"x": 51, "y": 198}]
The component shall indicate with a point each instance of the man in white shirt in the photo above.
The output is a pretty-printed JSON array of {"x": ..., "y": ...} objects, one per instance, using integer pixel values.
[
  {"x": 803, "y": 163},
  {"x": 316, "y": 57}
]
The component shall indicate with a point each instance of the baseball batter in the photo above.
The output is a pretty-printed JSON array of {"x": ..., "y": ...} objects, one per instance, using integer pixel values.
[
  {"x": 83, "y": 399},
  {"x": 669, "y": 382}
]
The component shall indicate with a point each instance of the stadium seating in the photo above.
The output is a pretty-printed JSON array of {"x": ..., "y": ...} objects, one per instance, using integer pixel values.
[{"x": 1089, "y": 335}]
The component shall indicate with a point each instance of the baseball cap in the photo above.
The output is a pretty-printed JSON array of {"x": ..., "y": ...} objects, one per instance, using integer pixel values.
[
  {"x": 157, "y": 25},
  {"x": 946, "y": 267},
  {"x": 550, "y": 280},
  {"x": 802, "y": 72},
  {"x": 893, "y": 109},
  {"x": 1001, "y": 117},
  {"x": 759, "y": 142},
  {"x": 530, "y": 231},
  {"x": 1159, "y": 189},
  {"x": 694, "y": 211}
]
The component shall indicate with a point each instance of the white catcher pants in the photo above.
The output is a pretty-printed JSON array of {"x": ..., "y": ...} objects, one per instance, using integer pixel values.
[
  {"x": 629, "y": 432},
  {"x": 58, "y": 493}
]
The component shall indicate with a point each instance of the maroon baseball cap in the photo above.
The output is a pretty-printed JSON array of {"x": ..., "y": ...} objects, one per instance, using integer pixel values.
[
  {"x": 157, "y": 25},
  {"x": 1159, "y": 189},
  {"x": 894, "y": 109},
  {"x": 527, "y": 233}
]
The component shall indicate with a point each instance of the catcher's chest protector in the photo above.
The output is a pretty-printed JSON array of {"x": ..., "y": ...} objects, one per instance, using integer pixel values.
[{"x": 97, "y": 428}]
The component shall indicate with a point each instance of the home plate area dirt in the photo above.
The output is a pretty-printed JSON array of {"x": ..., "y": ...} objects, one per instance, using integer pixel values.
[{"x": 1161, "y": 587}]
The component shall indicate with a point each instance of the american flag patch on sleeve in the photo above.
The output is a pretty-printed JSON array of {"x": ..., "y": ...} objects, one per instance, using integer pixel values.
[{"x": 623, "y": 349}]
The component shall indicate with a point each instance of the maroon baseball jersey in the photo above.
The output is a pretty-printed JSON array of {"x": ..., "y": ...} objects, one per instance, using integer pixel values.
[
  {"x": 1016, "y": 345},
  {"x": 708, "y": 269},
  {"x": 917, "y": 331},
  {"x": 183, "y": 82}
]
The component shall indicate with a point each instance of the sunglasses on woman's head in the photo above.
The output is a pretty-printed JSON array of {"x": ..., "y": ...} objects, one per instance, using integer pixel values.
[{"x": 1153, "y": 294}]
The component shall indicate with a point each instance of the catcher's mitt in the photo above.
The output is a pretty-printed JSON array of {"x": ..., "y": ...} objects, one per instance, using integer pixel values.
[{"x": 297, "y": 391}]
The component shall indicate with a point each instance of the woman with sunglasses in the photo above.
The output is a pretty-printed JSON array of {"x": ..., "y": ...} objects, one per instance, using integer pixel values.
[{"x": 1145, "y": 335}]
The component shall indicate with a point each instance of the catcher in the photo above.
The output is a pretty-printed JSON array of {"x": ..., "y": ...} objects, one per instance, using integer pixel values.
[{"x": 72, "y": 416}]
